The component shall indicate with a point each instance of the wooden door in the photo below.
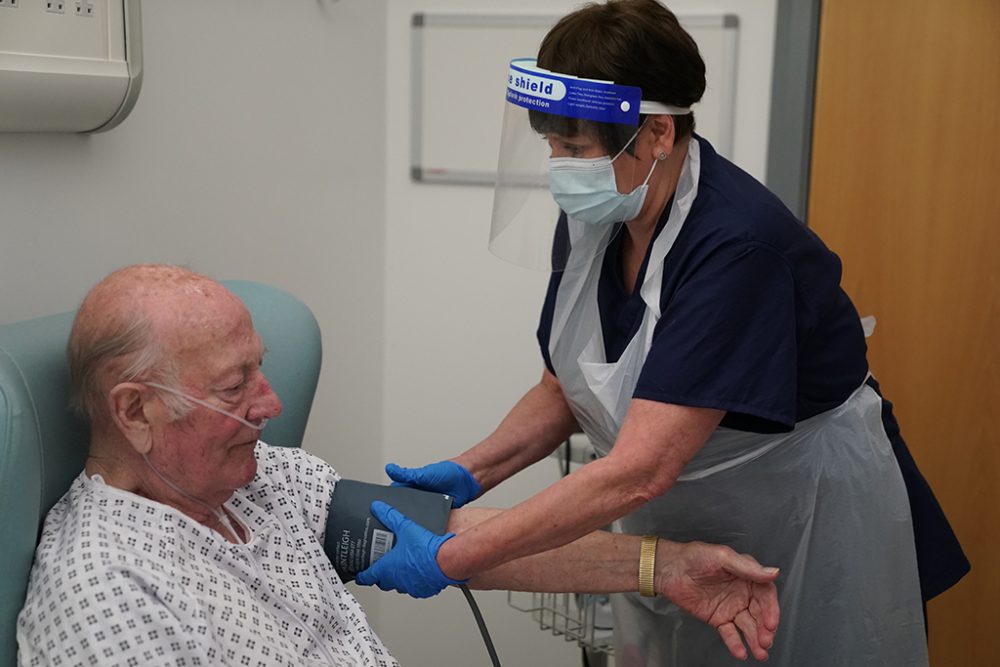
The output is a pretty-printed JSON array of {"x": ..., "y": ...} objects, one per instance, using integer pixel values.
[{"x": 905, "y": 186}]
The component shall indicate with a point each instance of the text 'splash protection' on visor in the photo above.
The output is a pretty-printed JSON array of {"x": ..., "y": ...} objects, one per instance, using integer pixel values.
[{"x": 570, "y": 140}]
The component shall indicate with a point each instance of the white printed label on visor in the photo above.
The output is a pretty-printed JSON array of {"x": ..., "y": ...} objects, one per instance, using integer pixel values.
[{"x": 532, "y": 87}]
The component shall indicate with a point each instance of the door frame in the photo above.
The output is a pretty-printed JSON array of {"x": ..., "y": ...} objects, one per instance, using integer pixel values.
[{"x": 793, "y": 94}]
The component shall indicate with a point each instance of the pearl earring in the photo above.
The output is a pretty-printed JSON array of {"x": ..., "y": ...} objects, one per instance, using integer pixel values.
[{"x": 662, "y": 156}]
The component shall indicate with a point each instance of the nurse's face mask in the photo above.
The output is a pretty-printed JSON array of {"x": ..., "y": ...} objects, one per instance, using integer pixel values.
[
  {"x": 587, "y": 189},
  {"x": 258, "y": 425},
  {"x": 555, "y": 210}
]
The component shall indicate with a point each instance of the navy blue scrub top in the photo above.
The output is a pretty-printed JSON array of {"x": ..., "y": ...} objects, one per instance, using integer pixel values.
[{"x": 754, "y": 322}]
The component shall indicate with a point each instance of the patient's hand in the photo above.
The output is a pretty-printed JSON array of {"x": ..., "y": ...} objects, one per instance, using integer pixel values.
[{"x": 731, "y": 592}]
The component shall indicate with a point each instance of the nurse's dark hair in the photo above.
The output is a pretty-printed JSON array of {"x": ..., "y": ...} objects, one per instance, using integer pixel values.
[{"x": 630, "y": 42}]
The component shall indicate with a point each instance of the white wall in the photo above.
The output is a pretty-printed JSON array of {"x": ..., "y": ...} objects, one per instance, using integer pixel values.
[
  {"x": 460, "y": 345},
  {"x": 256, "y": 151}
]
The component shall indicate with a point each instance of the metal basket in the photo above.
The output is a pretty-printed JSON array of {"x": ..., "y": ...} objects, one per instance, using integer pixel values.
[
  {"x": 582, "y": 618},
  {"x": 585, "y": 619}
]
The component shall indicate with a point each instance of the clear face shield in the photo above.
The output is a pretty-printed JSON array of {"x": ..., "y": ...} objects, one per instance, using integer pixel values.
[{"x": 568, "y": 174}]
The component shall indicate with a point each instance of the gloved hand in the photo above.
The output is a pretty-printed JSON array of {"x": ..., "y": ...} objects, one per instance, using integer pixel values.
[
  {"x": 443, "y": 477},
  {"x": 411, "y": 565}
]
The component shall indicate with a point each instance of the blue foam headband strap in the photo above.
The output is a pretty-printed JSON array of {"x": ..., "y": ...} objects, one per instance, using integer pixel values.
[{"x": 531, "y": 87}]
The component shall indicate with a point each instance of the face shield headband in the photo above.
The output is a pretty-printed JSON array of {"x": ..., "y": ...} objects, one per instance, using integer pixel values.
[{"x": 537, "y": 89}]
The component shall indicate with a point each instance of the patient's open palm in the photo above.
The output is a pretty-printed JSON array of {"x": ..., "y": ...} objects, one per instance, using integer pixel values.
[{"x": 731, "y": 592}]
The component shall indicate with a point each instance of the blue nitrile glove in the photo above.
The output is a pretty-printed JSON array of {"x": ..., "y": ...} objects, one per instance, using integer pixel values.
[
  {"x": 410, "y": 566},
  {"x": 443, "y": 477}
]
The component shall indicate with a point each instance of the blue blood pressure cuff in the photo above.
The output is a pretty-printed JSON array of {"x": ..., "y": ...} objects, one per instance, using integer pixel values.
[{"x": 355, "y": 539}]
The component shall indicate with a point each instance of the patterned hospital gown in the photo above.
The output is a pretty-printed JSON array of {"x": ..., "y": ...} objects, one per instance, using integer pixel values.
[{"x": 121, "y": 580}]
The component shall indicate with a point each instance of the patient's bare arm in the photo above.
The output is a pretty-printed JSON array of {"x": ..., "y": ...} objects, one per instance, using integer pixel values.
[{"x": 731, "y": 592}]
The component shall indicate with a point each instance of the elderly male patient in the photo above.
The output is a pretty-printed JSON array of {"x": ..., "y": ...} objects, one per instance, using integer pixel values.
[{"x": 186, "y": 541}]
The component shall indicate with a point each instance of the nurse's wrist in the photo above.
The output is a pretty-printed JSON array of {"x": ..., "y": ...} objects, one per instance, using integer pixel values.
[
  {"x": 449, "y": 560},
  {"x": 476, "y": 472}
]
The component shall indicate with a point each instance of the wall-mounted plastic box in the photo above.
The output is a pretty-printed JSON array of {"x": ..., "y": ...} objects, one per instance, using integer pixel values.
[{"x": 68, "y": 65}]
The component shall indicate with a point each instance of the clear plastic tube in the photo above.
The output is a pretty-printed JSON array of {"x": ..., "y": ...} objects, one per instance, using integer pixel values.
[
  {"x": 219, "y": 512},
  {"x": 205, "y": 404}
]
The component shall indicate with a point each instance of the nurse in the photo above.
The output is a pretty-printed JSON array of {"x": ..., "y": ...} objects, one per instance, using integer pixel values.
[{"x": 698, "y": 334}]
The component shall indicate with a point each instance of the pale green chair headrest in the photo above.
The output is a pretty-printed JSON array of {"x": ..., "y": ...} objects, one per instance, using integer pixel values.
[{"x": 43, "y": 446}]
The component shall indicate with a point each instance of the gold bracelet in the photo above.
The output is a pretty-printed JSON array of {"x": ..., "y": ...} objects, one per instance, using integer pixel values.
[{"x": 647, "y": 565}]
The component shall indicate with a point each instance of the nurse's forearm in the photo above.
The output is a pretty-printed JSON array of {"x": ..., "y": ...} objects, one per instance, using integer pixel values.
[
  {"x": 534, "y": 427},
  {"x": 655, "y": 443},
  {"x": 579, "y": 503}
]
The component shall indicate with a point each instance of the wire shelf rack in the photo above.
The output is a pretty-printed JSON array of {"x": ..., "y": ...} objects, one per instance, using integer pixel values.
[
  {"x": 582, "y": 618},
  {"x": 585, "y": 619}
]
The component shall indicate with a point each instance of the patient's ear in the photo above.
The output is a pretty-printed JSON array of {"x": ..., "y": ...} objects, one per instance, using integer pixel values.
[{"x": 131, "y": 413}]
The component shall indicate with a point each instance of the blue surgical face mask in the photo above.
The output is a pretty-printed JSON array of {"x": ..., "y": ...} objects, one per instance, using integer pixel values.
[
  {"x": 259, "y": 426},
  {"x": 586, "y": 189}
]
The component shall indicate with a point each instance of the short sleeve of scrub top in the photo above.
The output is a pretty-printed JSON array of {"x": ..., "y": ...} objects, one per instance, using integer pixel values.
[{"x": 726, "y": 339}]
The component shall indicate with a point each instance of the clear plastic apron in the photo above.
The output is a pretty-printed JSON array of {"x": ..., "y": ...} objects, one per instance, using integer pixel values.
[{"x": 825, "y": 503}]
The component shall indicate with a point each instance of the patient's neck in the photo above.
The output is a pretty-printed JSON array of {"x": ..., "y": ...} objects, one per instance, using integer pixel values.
[
  {"x": 120, "y": 466},
  {"x": 111, "y": 462}
]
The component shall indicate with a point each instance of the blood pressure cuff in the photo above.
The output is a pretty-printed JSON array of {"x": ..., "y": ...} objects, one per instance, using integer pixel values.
[{"x": 355, "y": 539}]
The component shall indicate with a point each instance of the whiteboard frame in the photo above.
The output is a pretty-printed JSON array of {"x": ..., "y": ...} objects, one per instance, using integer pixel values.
[{"x": 420, "y": 20}]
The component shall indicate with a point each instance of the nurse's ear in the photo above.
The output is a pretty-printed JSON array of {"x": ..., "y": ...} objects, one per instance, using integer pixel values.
[
  {"x": 662, "y": 128},
  {"x": 133, "y": 414}
]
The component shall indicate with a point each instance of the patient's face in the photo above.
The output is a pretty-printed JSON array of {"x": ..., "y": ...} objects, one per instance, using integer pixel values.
[{"x": 219, "y": 354}]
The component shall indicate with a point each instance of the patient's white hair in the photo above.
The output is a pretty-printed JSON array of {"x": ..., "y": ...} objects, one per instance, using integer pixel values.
[{"x": 114, "y": 338}]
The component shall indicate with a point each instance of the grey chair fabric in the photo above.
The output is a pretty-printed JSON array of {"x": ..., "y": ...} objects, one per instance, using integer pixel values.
[{"x": 43, "y": 446}]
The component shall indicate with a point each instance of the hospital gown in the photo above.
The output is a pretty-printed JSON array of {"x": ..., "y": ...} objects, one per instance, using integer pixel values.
[{"x": 121, "y": 580}]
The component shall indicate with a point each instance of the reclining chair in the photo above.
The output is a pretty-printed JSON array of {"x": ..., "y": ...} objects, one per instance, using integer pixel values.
[{"x": 43, "y": 446}]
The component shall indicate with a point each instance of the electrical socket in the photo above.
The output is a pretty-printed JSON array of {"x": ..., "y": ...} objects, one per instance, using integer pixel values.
[
  {"x": 85, "y": 8},
  {"x": 8, "y": 3},
  {"x": 55, "y": 6}
]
